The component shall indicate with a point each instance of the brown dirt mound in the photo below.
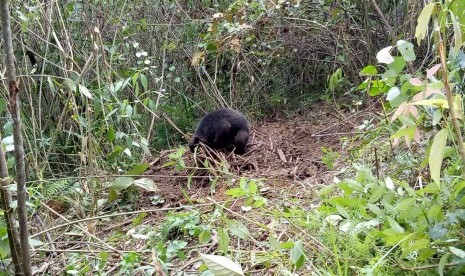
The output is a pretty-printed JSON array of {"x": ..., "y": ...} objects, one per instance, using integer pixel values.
[{"x": 284, "y": 151}]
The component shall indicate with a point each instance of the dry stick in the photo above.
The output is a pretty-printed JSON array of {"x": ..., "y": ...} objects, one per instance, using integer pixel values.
[
  {"x": 47, "y": 235},
  {"x": 385, "y": 22},
  {"x": 376, "y": 164},
  {"x": 335, "y": 124},
  {"x": 17, "y": 137},
  {"x": 122, "y": 214},
  {"x": 82, "y": 229},
  {"x": 450, "y": 101}
]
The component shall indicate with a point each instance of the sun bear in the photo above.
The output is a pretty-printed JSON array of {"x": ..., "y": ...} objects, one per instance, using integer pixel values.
[{"x": 222, "y": 129}]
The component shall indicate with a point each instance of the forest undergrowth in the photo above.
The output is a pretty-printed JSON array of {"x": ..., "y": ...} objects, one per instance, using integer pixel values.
[{"x": 355, "y": 158}]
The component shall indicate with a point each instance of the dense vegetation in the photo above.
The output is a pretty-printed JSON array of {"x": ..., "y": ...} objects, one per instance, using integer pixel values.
[{"x": 107, "y": 85}]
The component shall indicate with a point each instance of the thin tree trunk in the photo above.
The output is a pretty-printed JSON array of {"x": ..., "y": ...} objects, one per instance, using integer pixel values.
[
  {"x": 6, "y": 201},
  {"x": 17, "y": 137}
]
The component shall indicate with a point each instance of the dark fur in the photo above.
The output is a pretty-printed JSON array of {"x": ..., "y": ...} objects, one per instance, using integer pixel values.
[{"x": 222, "y": 129}]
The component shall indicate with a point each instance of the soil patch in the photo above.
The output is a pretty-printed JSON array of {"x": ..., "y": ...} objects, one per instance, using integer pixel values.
[{"x": 284, "y": 151}]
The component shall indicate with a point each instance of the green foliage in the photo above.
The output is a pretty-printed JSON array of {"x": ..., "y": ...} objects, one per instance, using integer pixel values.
[
  {"x": 176, "y": 159},
  {"x": 329, "y": 156},
  {"x": 248, "y": 188},
  {"x": 416, "y": 224}
]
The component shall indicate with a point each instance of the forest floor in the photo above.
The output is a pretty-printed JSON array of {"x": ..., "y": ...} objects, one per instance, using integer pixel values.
[
  {"x": 284, "y": 153},
  {"x": 287, "y": 152}
]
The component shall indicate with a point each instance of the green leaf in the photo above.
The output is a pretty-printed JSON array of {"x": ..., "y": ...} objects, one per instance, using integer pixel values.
[
  {"x": 364, "y": 84},
  {"x": 457, "y": 252},
  {"x": 71, "y": 85},
  {"x": 2, "y": 105},
  {"x": 111, "y": 135},
  {"x": 377, "y": 87},
  {"x": 405, "y": 204},
  {"x": 398, "y": 65},
  {"x": 121, "y": 183},
  {"x": 342, "y": 211},
  {"x": 433, "y": 103},
  {"x": 369, "y": 70},
  {"x": 238, "y": 229},
  {"x": 221, "y": 265},
  {"x": 407, "y": 131},
  {"x": 51, "y": 85},
  {"x": 376, "y": 210},
  {"x": 223, "y": 239},
  {"x": 4, "y": 248},
  {"x": 377, "y": 194},
  {"x": 35, "y": 243},
  {"x": 85, "y": 91},
  {"x": 118, "y": 86},
  {"x": 236, "y": 192},
  {"x": 143, "y": 80},
  {"x": 138, "y": 169},
  {"x": 394, "y": 225},
  {"x": 435, "y": 213},
  {"x": 442, "y": 264},
  {"x": 297, "y": 254},
  {"x": 457, "y": 34},
  {"x": 436, "y": 155},
  {"x": 416, "y": 246},
  {"x": 423, "y": 21},
  {"x": 112, "y": 195},
  {"x": 204, "y": 236},
  {"x": 406, "y": 49},
  {"x": 146, "y": 184}
]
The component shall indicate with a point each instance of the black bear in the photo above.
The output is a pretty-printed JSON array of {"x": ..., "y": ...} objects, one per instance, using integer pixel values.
[{"x": 222, "y": 129}]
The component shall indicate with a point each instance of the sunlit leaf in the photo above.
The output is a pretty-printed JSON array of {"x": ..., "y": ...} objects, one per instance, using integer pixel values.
[
  {"x": 436, "y": 155},
  {"x": 457, "y": 252},
  {"x": 121, "y": 183},
  {"x": 406, "y": 49},
  {"x": 238, "y": 229},
  {"x": 389, "y": 183},
  {"x": 221, "y": 265},
  {"x": 394, "y": 225},
  {"x": 297, "y": 254},
  {"x": 415, "y": 82},
  {"x": 393, "y": 93},
  {"x": 458, "y": 43},
  {"x": 432, "y": 102},
  {"x": 143, "y": 80},
  {"x": 423, "y": 21},
  {"x": 197, "y": 58},
  {"x": 146, "y": 184},
  {"x": 85, "y": 91},
  {"x": 223, "y": 238},
  {"x": 384, "y": 55},
  {"x": 369, "y": 70},
  {"x": 442, "y": 264},
  {"x": 138, "y": 169},
  {"x": 432, "y": 71}
]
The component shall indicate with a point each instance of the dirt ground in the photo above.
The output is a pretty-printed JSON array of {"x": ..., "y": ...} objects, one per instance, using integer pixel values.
[{"x": 284, "y": 151}]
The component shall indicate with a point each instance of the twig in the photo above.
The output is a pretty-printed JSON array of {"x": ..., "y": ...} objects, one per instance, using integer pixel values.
[
  {"x": 122, "y": 214},
  {"x": 385, "y": 22},
  {"x": 82, "y": 229},
  {"x": 450, "y": 101}
]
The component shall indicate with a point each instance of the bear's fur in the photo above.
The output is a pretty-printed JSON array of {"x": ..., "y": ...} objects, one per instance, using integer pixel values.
[{"x": 222, "y": 129}]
